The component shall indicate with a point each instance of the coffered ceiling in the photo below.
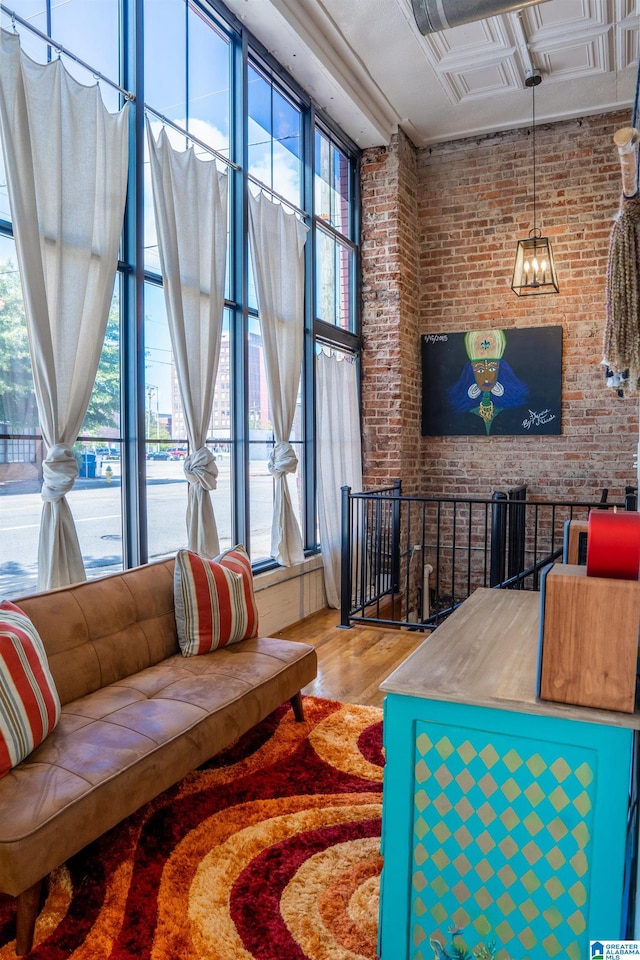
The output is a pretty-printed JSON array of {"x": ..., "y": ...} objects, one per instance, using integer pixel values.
[{"x": 367, "y": 64}]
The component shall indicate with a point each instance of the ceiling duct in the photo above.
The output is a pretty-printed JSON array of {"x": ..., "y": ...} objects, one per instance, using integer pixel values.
[{"x": 435, "y": 15}]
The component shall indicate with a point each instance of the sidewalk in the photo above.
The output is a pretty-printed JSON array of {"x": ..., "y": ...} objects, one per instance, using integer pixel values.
[
  {"x": 16, "y": 487},
  {"x": 7, "y": 488}
]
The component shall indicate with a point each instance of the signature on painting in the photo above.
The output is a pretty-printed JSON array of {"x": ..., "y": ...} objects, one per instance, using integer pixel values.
[{"x": 537, "y": 419}]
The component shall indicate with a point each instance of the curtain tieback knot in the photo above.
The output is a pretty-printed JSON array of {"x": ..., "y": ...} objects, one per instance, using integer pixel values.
[
  {"x": 60, "y": 470},
  {"x": 282, "y": 459},
  {"x": 200, "y": 467}
]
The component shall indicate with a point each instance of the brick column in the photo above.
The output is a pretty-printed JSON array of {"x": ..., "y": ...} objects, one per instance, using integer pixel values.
[{"x": 390, "y": 357}]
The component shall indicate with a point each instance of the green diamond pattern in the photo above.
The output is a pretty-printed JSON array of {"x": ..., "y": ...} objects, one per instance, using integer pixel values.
[
  {"x": 443, "y": 833},
  {"x": 556, "y": 858},
  {"x": 484, "y": 870},
  {"x": 503, "y": 840},
  {"x": 533, "y": 823},
  {"x": 512, "y": 760},
  {"x": 534, "y": 794},
  {"x": 422, "y": 772},
  {"x": 530, "y": 881},
  {"x": 467, "y": 752},
  {"x": 445, "y": 748},
  {"x": 463, "y": 837},
  {"x": 511, "y": 789},
  {"x": 485, "y": 841}
]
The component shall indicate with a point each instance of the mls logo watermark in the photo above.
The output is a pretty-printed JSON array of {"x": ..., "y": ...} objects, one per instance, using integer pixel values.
[{"x": 613, "y": 949}]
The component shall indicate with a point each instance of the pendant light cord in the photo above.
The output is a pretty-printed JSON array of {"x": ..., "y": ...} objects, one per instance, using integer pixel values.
[
  {"x": 532, "y": 81},
  {"x": 533, "y": 100}
]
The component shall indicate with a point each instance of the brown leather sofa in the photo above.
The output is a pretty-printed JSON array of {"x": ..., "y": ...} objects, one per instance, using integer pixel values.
[{"x": 137, "y": 716}]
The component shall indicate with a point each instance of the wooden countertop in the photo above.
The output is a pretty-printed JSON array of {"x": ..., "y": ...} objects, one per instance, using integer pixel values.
[{"x": 486, "y": 654}]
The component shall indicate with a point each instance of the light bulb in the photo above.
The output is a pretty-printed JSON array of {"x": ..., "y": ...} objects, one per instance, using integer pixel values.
[{"x": 535, "y": 265}]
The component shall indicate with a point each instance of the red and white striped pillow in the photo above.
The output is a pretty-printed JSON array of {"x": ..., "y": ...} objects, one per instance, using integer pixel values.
[
  {"x": 214, "y": 600},
  {"x": 29, "y": 702}
]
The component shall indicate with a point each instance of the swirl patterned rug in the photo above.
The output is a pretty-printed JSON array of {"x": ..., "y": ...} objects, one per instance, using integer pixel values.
[{"x": 269, "y": 852}]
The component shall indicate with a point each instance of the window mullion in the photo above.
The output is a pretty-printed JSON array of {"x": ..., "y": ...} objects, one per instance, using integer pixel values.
[
  {"x": 239, "y": 326},
  {"x": 355, "y": 233},
  {"x": 134, "y": 511},
  {"x": 309, "y": 534}
]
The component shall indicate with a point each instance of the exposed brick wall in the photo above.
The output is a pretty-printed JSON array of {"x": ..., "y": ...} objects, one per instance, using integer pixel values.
[
  {"x": 390, "y": 362},
  {"x": 450, "y": 269}
]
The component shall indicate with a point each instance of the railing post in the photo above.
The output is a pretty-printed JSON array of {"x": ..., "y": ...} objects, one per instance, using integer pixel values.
[
  {"x": 498, "y": 537},
  {"x": 345, "y": 565},
  {"x": 517, "y": 530},
  {"x": 395, "y": 536}
]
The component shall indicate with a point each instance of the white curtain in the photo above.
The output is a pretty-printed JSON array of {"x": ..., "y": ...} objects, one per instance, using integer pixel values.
[
  {"x": 277, "y": 241},
  {"x": 339, "y": 457},
  {"x": 66, "y": 164},
  {"x": 190, "y": 200}
]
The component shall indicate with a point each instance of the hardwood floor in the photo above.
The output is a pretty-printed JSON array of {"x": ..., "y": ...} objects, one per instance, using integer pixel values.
[{"x": 352, "y": 663}]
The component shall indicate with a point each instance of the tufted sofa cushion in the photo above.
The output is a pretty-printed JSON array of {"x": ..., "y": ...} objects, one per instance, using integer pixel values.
[{"x": 98, "y": 632}]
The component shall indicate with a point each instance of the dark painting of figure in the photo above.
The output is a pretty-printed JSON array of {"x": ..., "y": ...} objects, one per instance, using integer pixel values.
[{"x": 495, "y": 381}]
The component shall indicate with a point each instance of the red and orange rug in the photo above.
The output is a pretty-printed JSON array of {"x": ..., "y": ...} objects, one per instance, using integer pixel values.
[{"x": 269, "y": 852}]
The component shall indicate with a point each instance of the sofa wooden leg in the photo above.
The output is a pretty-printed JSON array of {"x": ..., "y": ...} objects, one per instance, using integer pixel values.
[
  {"x": 296, "y": 706},
  {"x": 28, "y": 907}
]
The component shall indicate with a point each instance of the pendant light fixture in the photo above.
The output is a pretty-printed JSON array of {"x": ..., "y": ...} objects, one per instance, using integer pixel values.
[{"x": 534, "y": 271}]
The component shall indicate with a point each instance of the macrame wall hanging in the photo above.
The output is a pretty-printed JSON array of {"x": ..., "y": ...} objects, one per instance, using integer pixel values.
[{"x": 621, "y": 347}]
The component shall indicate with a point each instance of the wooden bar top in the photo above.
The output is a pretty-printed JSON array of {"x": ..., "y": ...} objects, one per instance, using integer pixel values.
[{"x": 486, "y": 654}]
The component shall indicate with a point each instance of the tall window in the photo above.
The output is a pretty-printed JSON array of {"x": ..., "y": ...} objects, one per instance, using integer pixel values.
[
  {"x": 196, "y": 95},
  {"x": 129, "y": 501},
  {"x": 335, "y": 234},
  {"x": 96, "y": 500},
  {"x": 274, "y": 141},
  {"x": 274, "y": 136}
]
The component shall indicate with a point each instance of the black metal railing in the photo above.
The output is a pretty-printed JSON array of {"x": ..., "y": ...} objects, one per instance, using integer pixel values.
[{"x": 410, "y": 561}]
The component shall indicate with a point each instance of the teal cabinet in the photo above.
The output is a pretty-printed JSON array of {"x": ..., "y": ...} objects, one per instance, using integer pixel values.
[{"x": 504, "y": 817}]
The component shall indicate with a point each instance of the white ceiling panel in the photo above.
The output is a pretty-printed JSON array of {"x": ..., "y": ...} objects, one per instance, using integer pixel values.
[
  {"x": 578, "y": 58},
  {"x": 472, "y": 41},
  {"x": 480, "y": 82},
  {"x": 546, "y": 21},
  {"x": 366, "y": 63},
  {"x": 626, "y": 8},
  {"x": 627, "y": 45}
]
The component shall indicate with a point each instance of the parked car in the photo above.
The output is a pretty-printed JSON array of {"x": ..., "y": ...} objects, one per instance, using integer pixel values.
[
  {"x": 159, "y": 455},
  {"x": 177, "y": 454},
  {"x": 108, "y": 453}
]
